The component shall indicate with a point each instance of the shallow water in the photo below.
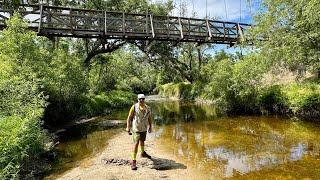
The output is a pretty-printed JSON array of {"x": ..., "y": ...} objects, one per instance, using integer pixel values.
[{"x": 236, "y": 147}]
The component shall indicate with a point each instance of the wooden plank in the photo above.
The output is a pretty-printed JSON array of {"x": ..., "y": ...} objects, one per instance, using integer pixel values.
[{"x": 4, "y": 17}]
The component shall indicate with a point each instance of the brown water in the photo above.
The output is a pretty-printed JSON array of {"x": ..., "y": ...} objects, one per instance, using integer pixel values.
[{"x": 237, "y": 147}]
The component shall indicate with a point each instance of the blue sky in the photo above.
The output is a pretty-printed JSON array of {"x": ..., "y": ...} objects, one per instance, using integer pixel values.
[{"x": 217, "y": 8}]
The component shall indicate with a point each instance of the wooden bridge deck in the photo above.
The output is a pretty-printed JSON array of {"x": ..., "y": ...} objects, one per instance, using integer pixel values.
[{"x": 83, "y": 23}]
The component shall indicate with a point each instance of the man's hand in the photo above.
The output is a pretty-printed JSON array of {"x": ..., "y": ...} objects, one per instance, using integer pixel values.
[
  {"x": 128, "y": 130},
  {"x": 150, "y": 129}
]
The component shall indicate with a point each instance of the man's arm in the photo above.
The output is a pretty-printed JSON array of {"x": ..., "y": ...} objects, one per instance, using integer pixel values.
[
  {"x": 150, "y": 123},
  {"x": 130, "y": 119}
]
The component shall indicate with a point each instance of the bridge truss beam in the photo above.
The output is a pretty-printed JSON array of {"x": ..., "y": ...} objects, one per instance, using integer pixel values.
[{"x": 54, "y": 21}]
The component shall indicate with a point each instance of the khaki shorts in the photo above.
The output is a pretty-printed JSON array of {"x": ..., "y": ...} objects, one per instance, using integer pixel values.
[{"x": 139, "y": 136}]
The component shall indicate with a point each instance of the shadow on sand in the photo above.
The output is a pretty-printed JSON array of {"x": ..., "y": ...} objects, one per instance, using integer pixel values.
[
  {"x": 153, "y": 163},
  {"x": 166, "y": 164}
]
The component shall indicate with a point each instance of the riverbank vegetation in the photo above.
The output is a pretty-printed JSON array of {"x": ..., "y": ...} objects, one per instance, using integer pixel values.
[
  {"x": 48, "y": 82},
  {"x": 280, "y": 75}
]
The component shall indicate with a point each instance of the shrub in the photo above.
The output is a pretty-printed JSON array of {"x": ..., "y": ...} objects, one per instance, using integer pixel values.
[
  {"x": 22, "y": 139},
  {"x": 304, "y": 99},
  {"x": 272, "y": 100},
  {"x": 21, "y": 136},
  {"x": 97, "y": 104},
  {"x": 310, "y": 107},
  {"x": 179, "y": 91}
]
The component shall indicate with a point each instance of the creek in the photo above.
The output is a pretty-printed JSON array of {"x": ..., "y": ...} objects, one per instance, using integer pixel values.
[{"x": 225, "y": 147}]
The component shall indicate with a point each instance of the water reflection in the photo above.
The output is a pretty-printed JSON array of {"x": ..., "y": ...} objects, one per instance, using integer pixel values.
[
  {"x": 80, "y": 142},
  {"x": 239, "y": 147},
  {"x": 171, "y": 112},
  {"x": 232, "y": 147}
]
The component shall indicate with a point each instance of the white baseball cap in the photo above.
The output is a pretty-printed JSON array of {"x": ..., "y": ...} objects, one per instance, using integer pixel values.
[{"x": 141, "y": 96}]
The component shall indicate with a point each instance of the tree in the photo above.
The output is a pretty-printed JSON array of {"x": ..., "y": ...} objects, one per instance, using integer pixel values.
[
  {"x": 100, "y": 46},
  {"x": 21, "y": 102},
  {"x": 291, "y": 32}
]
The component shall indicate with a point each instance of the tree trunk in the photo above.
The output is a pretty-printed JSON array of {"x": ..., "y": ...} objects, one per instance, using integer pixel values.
[
  {"x": 190, "y": 60},
  {"x": 199, "y": 58}
]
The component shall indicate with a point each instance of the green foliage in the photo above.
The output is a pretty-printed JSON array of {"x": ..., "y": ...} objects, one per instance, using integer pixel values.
[
  {"x": 20, "y": 45},
  {"x": 179, "y": 90},
  {"x": 304, "y": 99},
  {"x": 291, "y": 30},
  {"x": 219, "y": 82},
  {"x": 64, "y": 82},
  {"x": 92, "y": 105},
  {"x": 125, "y": 71},
  {"x": 22, "y": 103},
  {"x": 132, "y": 6},
  {"x": 165, "y": 77},
  {"x": 247, "y": 75},
  {"x": 11, "y": 3},
  {"x": 233, "y": 85},
  {"x": 65, "y": 76},
  {"x": 273, "y": 100}
]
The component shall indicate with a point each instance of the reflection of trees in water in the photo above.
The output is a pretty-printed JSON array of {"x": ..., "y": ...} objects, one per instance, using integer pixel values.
[
  {"x": 172, "y": 112},
  {"x": 242, "y": 145}
]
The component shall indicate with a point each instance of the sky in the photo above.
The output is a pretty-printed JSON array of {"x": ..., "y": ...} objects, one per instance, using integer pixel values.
[{"x": 226, "y": 10}]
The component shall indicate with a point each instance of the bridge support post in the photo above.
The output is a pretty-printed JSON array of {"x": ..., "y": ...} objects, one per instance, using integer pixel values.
[
  {"x": 147, "y": 25},
  {"x": 209, "y": 30},
  {"x": 40, "y": 22},
  {"x": 123, "y": 24},
  {"x": 240, "y": 32},
  {"x": 71, "y": 20},
  {"x": 152, "y": 29},
  {"x": 224, "y": 31},
  {"x": 180, "y": 25},
  {"x": 105, "y": 23}
]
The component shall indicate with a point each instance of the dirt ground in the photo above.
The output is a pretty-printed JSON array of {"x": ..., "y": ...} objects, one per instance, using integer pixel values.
[{"x": 114, "y": 163}]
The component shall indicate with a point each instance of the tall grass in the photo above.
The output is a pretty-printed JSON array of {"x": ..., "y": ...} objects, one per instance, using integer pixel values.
[{"x": 181, "y": 90}]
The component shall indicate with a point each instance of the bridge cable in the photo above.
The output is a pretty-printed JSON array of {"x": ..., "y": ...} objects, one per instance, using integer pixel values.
[
  {"x": 206, "y": 9},
  {"x": 180, "y": 9},
  {"x": 225, "y": 8},
  {"x": 250, "y": 10},
  {"x": 193, "y": 12},
  {"x": 240, "y": 10},
  {"x": 240, "y": 30}
]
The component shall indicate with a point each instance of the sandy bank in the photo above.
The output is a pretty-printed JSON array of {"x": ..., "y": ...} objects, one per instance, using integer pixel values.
[{"x": 114, "y": 163}]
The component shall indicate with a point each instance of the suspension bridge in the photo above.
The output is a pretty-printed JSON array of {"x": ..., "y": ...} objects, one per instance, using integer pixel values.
[{"x": 53, "y": 21}]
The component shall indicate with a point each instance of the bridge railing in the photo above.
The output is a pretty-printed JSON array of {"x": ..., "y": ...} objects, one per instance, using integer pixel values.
[{"x": 73, "y": 22}]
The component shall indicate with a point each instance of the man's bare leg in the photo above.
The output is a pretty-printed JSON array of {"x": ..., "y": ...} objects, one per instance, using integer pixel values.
[
  {"x": 134, "y": 156},
  {"x": 141, "y": 146},
  {"x": 143, "y": 153},
  {"x": 135, "y": 149}
]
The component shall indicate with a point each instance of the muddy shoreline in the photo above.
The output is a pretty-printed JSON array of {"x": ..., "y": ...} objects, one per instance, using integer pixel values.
[{"x": 114, "y": 163}]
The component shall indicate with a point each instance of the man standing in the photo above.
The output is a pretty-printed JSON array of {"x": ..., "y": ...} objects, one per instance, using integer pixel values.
[{"x": 139, "y": 121}]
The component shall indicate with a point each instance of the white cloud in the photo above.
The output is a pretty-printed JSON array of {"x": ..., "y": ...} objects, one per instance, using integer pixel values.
[{"x": 216, "y": 8}]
